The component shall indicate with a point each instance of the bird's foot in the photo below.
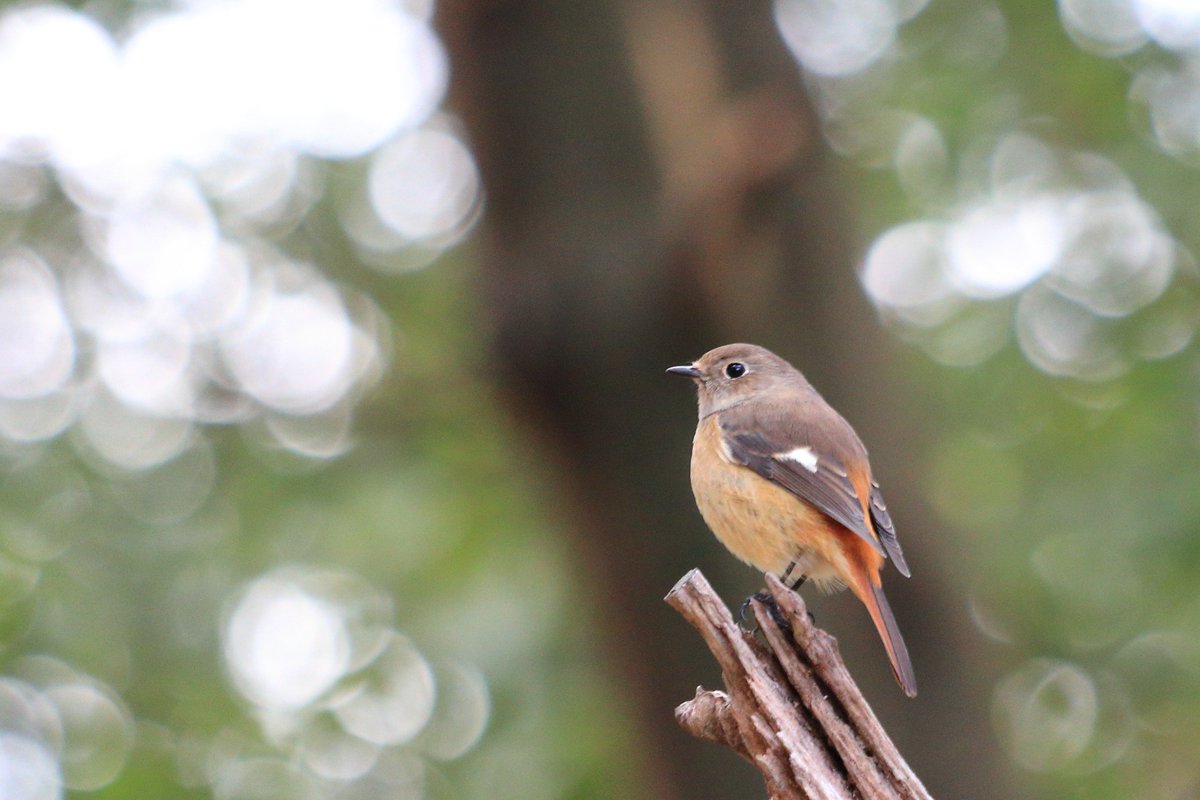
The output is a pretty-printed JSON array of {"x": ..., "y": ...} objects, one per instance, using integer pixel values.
[
  {"x": 772, "y": 609},
  {"x": 795, "y": 587}
]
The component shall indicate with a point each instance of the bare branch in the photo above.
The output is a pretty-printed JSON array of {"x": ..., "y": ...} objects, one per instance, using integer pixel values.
[{"x": 790, "y": 707}]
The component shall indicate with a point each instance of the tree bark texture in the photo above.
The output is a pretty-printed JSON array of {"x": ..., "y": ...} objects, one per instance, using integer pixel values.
[{"x": 790, "y": 706}]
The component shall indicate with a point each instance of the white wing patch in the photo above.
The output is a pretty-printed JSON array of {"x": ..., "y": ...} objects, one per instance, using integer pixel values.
[{"x": 804, "y": 456}]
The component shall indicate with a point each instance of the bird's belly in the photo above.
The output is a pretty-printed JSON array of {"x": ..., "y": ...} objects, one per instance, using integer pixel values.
[{"x": 765, "y": 525}]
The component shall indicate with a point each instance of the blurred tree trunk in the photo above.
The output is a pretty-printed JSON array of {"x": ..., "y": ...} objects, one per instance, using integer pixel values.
[{"x": 656, "y": 186}]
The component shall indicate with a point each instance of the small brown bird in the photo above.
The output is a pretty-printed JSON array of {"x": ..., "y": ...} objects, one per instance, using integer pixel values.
[{"x": 784, "y": 482}]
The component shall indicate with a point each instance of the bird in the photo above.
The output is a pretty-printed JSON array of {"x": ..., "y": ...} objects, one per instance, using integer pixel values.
[{"x": 785, "y": 483}]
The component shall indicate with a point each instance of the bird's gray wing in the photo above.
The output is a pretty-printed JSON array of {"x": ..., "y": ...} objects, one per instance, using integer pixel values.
[
  {"x": 885, "y": 530},
  {"x": 787, "y": 453}
]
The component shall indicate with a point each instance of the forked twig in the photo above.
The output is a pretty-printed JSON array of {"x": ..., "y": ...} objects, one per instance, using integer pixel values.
[{"x": 790, "y": 706}]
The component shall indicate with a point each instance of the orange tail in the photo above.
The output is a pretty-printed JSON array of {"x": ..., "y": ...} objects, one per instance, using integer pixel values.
[{"x": 871, "y": 593}]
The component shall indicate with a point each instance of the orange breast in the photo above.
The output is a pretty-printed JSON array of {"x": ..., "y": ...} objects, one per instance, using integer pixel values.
[{"x": 761, "y": 523}]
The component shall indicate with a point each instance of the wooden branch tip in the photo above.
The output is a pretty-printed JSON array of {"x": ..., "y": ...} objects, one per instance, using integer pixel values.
[
  {"x": 790, "y": 706},
  {"x": 708, "y": 716}
]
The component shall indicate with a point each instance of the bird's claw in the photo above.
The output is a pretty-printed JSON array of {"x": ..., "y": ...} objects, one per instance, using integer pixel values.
[
  {"x": 772, "y": 609},
  {"x": 745, "y": 614}
]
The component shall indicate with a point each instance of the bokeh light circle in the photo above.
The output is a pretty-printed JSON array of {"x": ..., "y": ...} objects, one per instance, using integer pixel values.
[
  {"x": 98, "y": 734},
  {"x": 394, "y": 699},
  {"x": 37, "y": 347},
  {"x": 28, "y": 770},
  {"x": 295, "y": 350},
  {"x": 424, "y": 185},
  {"x": 1046, "y": 713},
  {"x": 837, "y": 37},
  {"x": 285, "y": 646},
  {"x": 461, "y": 713}
]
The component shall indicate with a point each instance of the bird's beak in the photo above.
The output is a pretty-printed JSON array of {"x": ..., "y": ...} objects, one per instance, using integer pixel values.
[{"x": 687, "y": 370}]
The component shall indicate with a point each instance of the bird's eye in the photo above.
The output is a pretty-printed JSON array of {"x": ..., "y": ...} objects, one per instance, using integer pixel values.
[{"x": 735, "y": 370}]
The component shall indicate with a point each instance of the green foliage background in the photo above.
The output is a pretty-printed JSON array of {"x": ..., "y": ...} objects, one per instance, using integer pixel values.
[{"x": 1069, "y": 505}]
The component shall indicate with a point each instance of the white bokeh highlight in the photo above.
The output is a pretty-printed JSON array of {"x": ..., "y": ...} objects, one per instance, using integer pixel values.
[
  {"x": 339, "y": 692},
  {"x": 424, "y": 185},
  {"x": 1005, "y": 243},
  {"x": 28, "y": 770},
  {"x": 192, "y": 84},
  {"x": 1166, "y": 79},
  {"x": 164, "y": 245},
  {"x": 284, "y": 646},
  {"x": 461, "y": 713},
  {"x": 1107, "y": 27},
  {"x": 395, "y": 698},
  {"x": 1174, "y": 24},
  {"x": 294, "y": 352},
  {"x": 98, "y": 734},
  {"x": 837, "y": 37},
  {"x": 67, "y": 731},
  {"x": 186, "y": 149},
  {"x": 160, "y": 176},
  {"x": 37, "y": 347},
  {"x": 1062, "y": 237},
  {"x": 1118, "y": 27}
]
